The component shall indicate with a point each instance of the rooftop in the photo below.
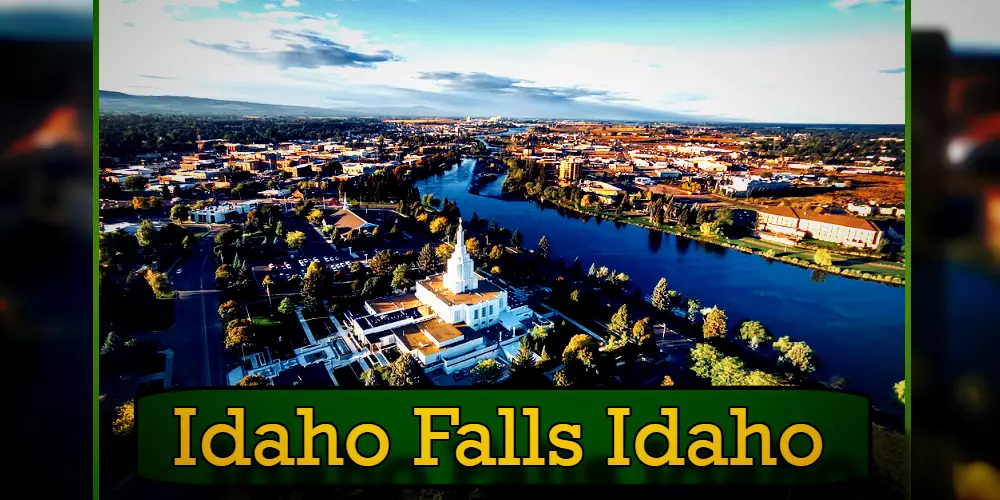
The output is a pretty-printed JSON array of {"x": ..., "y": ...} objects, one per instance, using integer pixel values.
[
  {"x": 485, "y": 291},
  {"x": 346, "y": 219},
  {"x": 834, "y": 219},
  {"x": 377, "y": 320},
  {"x": 314, "y": 375},
  {"x": 394, "y": 303}
]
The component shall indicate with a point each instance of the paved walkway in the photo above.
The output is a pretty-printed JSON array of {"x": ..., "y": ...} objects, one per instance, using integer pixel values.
[
  {"x": 574, "y": 323},
  {"x": 305, "y": 327}
]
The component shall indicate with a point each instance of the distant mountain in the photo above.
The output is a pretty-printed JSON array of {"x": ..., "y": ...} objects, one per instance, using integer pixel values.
[{"x": 119, "y": 102}]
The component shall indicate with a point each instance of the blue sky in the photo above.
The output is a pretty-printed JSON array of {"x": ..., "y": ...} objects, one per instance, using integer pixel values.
[{"x": 832, "y": 61}]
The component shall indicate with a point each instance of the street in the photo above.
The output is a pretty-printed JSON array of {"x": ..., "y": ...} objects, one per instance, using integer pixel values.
[{"x": 196, "y": 337}]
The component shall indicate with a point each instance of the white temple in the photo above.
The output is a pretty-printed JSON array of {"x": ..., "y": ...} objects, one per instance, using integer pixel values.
[{"x": 448, "y": 320}]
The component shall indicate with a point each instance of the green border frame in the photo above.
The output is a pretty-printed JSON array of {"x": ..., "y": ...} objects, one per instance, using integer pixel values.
[
  {"x": 907, "y": 245},
  {"x": 96, "y": 250}
]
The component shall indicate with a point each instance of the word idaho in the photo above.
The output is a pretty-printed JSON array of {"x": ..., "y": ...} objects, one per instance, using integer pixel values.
[{"x": 475, "y": 447}]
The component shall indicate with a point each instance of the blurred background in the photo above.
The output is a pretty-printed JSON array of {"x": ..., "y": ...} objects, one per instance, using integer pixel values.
[
  {"x": 46, "y": 222},
  {"x": 955, "y": 240}
]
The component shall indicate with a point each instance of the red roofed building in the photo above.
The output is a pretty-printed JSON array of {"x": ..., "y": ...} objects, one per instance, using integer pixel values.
[{"x": 788, "y": 225}]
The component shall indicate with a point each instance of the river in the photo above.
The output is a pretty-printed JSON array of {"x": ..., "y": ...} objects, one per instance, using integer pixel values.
[{"x": 855, "y": 327}]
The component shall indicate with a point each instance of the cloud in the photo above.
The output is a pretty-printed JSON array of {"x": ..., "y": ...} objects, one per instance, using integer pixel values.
[
  {"x": 893, "y": 71},
  {"x": 129, "y": 25},
  {"x": 483, "y": 82},
  {"x": 155, "y": 77},
  {"x": 290, "y": 3},
  {"x": 854, "y": 4},
  {"x": 306, "y": 49},
  {"x": 270, "y": 6}
]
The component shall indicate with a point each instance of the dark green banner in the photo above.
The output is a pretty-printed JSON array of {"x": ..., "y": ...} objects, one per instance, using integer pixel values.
[{"x": 664, "y": 436}]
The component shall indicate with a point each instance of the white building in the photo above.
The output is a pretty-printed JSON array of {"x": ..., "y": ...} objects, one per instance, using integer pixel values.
[
  {"x": 454, "y": 320},
  {"x": 750, "y": 185},
  {"x": 220, "y": 214}
]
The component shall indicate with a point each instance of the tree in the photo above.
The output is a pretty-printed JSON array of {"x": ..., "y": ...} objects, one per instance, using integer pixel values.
[
  {"x": 704, "y": 357},
  {"x": 642, "y": 335},
  {"x": 486, "y": 372},
  {"x": 112, "y": 343},
  {"x": 660, "y": 299},
  {"x": 399, "y": 279},
  {"x": 497, "y": 253},
  {"x": 279, "y": 229},
  {"x": 159, "y": 282},
  {"x": 668, "y": 381},
  {"x": 754, "y": 333},
  {"x": 135, "y": 183},
  {"x": 694, "y": 307},
  {"x": 295, "y": 239},
  {"x": 426, "y": 259},
  {"x": 124, "y": 422},
  {"x": 443, "y": 252},
  {"x": 516, "y": 240},
  {"x": 823, "y": 257},
  {"x": 710, "y": 229},
  {"x": 758, "y": 378},
  {"x": 405, "y": 371},
  {"x": 238, "y": 334},
  {"x": 543, "y": 248},
  {"x": 224, "y": 275},
  {"x": 287, "y": 306},
  {"x": 800, "y": 356},
  {"x": 316, "y": 282},
  {"x": 188, "y": 242},
  {"x": 439, "y": 224},
  {"x": 267, "y": 282},
  {"x": 620, "y": 324},
  {"x": 315, "y": 216},
  {"x": 715, "y": 323},
  {"x": 472, "y": 246},
  {"x": 255, "y": 380},
  {"x": 381, "y": 263},
  {"x": 728, "y": 371},
  {"x": 373, "y": 286},
  {"x": 522, "y": 367},
  {"x": 900, "y": 390},
  {"x": 180, "y": 213},
  {"x": 144, "y": 235}
]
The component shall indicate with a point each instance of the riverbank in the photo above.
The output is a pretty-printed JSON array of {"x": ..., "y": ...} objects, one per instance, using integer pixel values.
[{"x": 844, "y": 264}]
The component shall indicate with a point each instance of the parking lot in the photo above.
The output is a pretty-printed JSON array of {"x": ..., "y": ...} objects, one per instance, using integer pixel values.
[{"x": 293, "y": 265}]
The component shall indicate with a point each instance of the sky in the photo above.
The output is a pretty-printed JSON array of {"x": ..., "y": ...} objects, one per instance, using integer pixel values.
[{"x": 789, "y": 61}]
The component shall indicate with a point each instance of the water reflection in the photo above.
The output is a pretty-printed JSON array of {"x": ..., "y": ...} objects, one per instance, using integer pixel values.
[
  {"x": 818, "y": 275},
  {"x": 683, "y": 244},
  {"x": 655, "y": 240}
]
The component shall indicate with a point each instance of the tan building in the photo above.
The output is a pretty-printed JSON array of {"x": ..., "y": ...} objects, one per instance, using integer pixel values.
[
  {"x": 788, "y": 225},
  {"x": 569, "y": 169}
]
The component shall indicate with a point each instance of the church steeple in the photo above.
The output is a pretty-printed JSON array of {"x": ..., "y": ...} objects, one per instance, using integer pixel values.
[{"x": 460, "y": 276}]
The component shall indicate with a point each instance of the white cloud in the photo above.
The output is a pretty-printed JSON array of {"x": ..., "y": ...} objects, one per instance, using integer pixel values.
[
  {"x": 290, "y": 3},
  {"x": 853, "y": 4},
  {"x": 270, "y": 6}
]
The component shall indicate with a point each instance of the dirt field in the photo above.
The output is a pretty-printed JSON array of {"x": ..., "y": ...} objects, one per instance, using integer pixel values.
[{"x": 884, "y": 189}]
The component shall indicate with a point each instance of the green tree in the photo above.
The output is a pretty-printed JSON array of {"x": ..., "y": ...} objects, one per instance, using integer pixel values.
[
  {"x": 900, "y": 390},
  {"x": 381, "y": 263},
  {"x": 659, "y": 298},
  {"x": 823, "y": 257},
  {"x": 238, "y": 333},
  {"x": 694, "y": 307},
  {"x": 704, "y": 357},
  {"x": 188, "y": 242},
  {"x": 426, "y": 260},
  {"x": 145, "y": 234},
  {"x": 728, "y": 371},
  {"x": 620, "y": 324},
  {"x": 642, "y": 335},
  {"x": 224, "y": 275},
  {"x": 783, "y": 344},
  {"x": 399, "y": 279},
  {"x": 228, "y": 311},
  {"x": 754, "y": 333},
  {"x": 180, "y": 213},
  {"x": 800, "y": 355},
  {"x": 279, "y": 229},
  {"x": 295, "y": 239},
  {"x": 543, "y": 248},
  {"x": 287, "y": 306},
  {"x": 316, "y": 282},
  {"x": 516, "y": 240},
  {"x": 373, "y": 287},
  {"x": 443, "y": 252},
  {"x": 135, "y": 183},
  {"x": 112, "y": 343},
  {"x": 522, "y": 367},
  {"x": 405, "y": 371},
  {"x": 255, "y": 380},
  {"x": 486, "y": 372},
  {"x": 715, "y": 323}
]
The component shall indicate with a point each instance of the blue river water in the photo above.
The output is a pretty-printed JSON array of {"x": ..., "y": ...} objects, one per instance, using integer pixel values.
[{"x": 856, "y": 328}]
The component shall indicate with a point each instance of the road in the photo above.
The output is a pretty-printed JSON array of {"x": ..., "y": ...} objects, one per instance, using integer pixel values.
[{"x": 196, "y": 336}]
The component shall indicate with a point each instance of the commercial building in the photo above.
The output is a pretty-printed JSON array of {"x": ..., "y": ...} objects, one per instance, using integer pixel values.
[
  {"x": 569, "y": 169},
  {"x": 220, "y": 214},
  {"x": 790, "y": 226}
]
